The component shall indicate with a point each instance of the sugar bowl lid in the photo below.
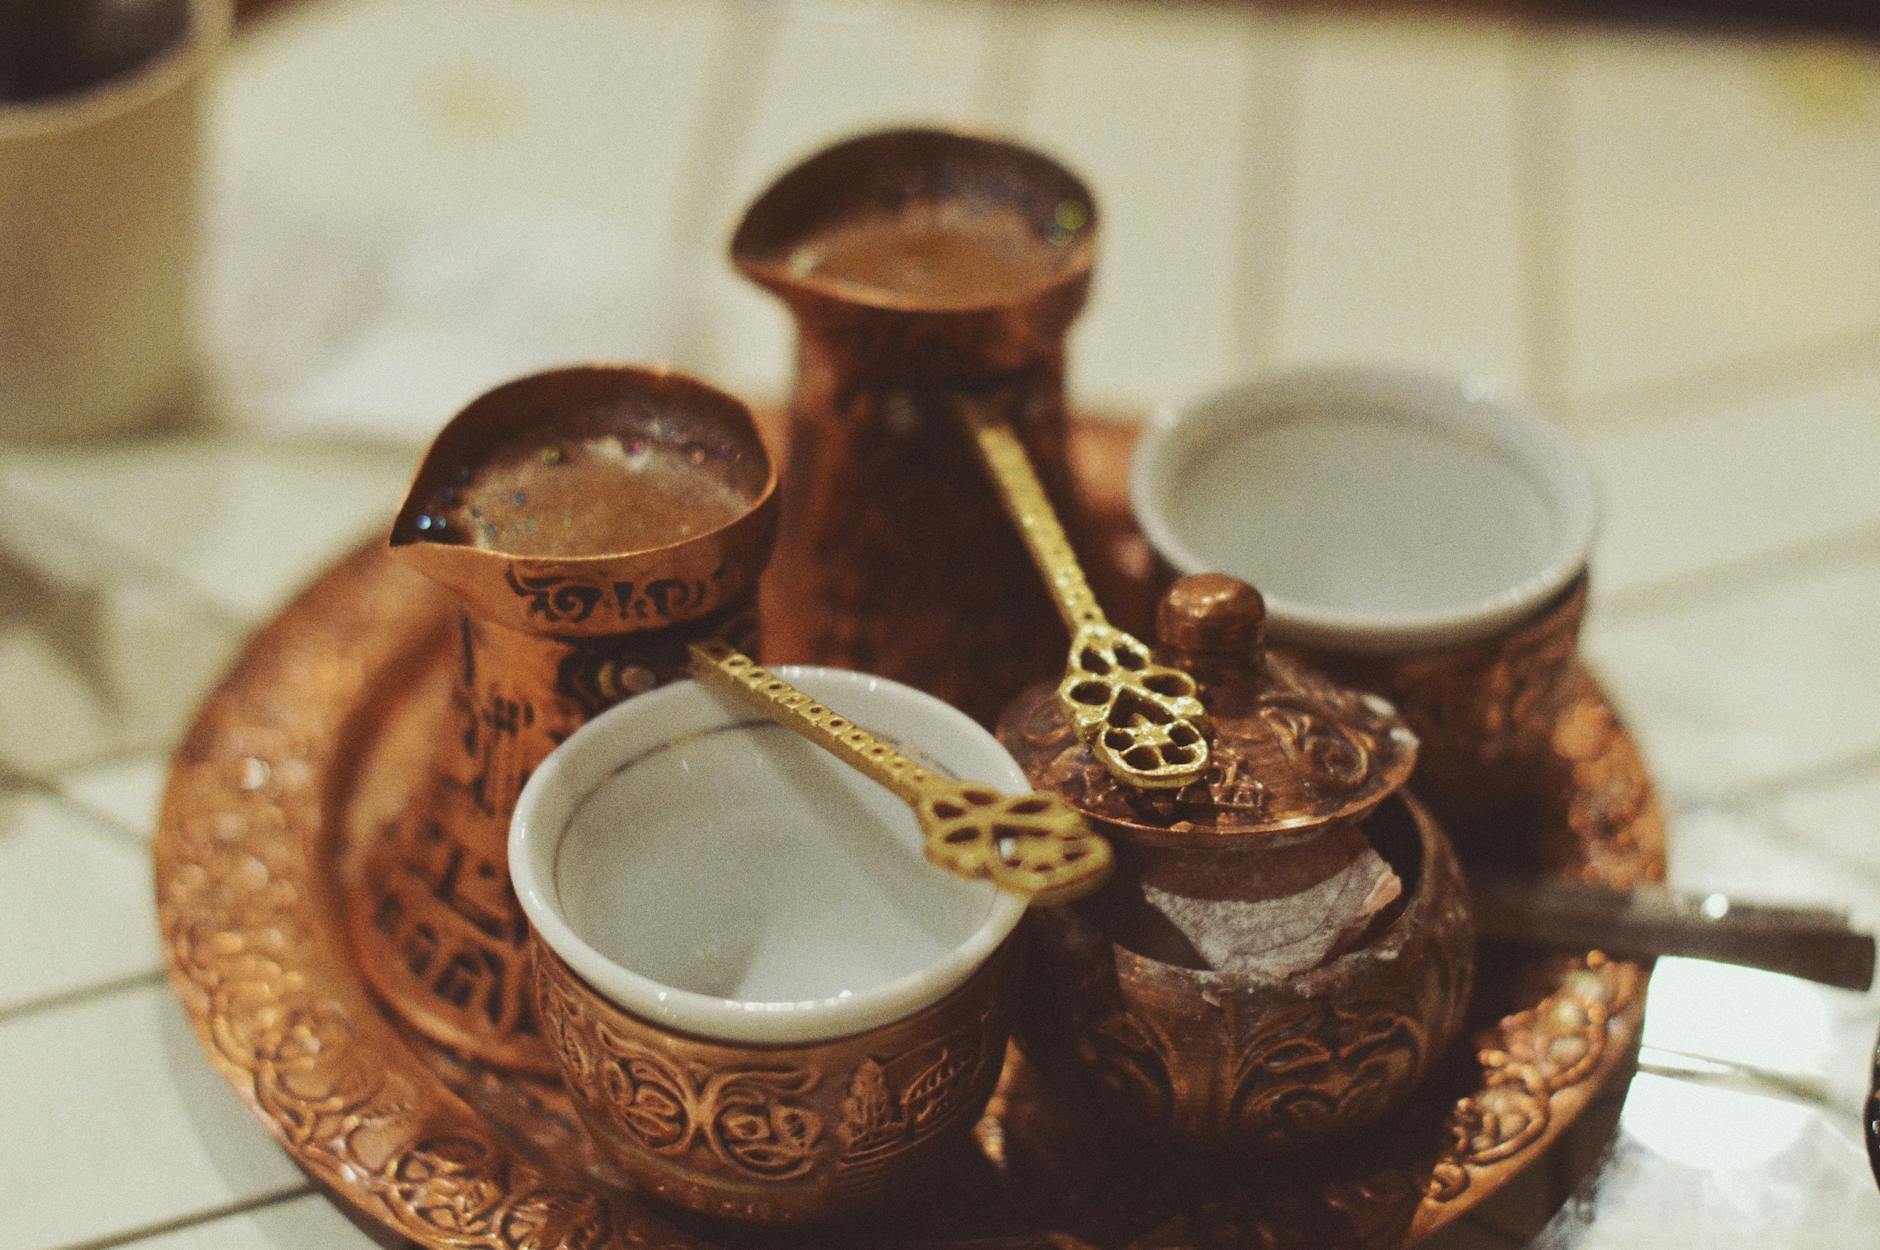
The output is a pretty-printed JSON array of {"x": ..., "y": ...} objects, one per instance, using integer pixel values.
[{"x": 1294, "y": 752}]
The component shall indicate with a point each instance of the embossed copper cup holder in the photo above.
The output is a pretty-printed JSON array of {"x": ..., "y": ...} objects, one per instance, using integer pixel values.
[
  {"x": 1418, "y": 537},
  {"x": 730, "y": 1041},
  {"x": 592, "y": 522}
]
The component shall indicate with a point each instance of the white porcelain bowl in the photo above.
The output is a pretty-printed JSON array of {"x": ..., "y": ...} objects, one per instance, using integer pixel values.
[
  {"x": 1377, "y": 511},
  {"x": 714, "y": 873}
]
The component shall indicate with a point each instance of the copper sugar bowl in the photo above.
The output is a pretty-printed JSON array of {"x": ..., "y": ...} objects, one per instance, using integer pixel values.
[
  {"x": 591, "y": 521},
  {"x": 1286, "y": 949}
]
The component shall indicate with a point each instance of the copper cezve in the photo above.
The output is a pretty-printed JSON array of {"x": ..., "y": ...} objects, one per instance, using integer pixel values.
[{"x": 569, "y": 604}]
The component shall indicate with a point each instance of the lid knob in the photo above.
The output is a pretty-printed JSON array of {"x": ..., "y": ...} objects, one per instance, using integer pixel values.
[{"x": 1211, "y": 614}]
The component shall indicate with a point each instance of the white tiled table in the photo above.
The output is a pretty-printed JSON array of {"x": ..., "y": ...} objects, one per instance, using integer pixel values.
[{"x": 1670, "y": 241}]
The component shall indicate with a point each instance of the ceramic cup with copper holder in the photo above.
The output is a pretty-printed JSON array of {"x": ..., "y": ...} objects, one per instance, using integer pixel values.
[
  {"x": 1413, "y": 536},
  {"x": 767, "y": 1005},
  {"x": 1285, "y": 949}
]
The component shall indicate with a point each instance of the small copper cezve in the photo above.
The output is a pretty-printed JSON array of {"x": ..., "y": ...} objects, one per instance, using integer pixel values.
[{"x": 568, "y": 606}]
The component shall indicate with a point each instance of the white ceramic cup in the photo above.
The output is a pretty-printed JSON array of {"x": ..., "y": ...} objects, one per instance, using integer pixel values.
[
  {"x": 1378, "y": 512},
  {"x": 714, "y": 873},
  {"x": 98, "y": 234}
]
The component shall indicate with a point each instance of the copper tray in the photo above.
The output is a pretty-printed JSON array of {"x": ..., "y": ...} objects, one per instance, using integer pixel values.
[{"x": 308, "y": 747}]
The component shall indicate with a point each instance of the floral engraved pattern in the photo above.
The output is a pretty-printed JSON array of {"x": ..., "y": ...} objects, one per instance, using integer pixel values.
[
  {"x": 1129, "y": 1057},
  {"x": 1330, "y": 752},
  {"x": 1307, "y": 1071},
  {"x": 786, "y": 1129},
  {"x": 661, "y": 600},
  {"x": 750, "y": 1119},
  {"x": 769, "y": 1138},
  {"x": 1332, "y": 755}
]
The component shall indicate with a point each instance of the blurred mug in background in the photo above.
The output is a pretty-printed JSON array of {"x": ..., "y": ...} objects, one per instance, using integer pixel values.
[{"x": 100, "y": 136}]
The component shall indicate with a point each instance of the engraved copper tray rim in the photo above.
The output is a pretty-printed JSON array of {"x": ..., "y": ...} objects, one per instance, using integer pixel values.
[{"x": 249, "y": 910}]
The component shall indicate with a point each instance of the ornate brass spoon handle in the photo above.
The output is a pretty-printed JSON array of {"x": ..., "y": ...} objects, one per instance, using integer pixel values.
[
  {"x": 1141, "y": 719},
  {"x": 1032, "y": 844}
]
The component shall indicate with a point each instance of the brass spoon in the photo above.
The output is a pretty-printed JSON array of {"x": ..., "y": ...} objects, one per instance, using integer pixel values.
[
  {"x": 1142, "y": 720},
  {"x": 1031, "y": 844}
]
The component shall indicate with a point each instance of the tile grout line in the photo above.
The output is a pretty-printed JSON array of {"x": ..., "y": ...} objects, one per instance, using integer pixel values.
[
  {"x": 737, "y": 60},
  {"x": 1672, "y": 396},
  {"x": 262, "y": 1201},
  {"x": 154, "y": 572},
  {"x": 139, "y": 567},
  {"x": 1825, "y": 551},
  {"x": 1275, "y": 52},
  {"x": 1538, "y": 179},
  {"x": 97, "y": 991},
  {"x": 109, "y": 827},
  {"x": 1763, "y": 794}
]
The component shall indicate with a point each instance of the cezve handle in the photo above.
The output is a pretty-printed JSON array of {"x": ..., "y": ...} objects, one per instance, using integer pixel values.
[{"x": 1809, "y": 942}]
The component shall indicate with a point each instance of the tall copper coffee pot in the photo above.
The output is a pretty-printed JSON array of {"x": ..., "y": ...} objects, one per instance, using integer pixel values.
[{"x": 926, "y": 270}]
